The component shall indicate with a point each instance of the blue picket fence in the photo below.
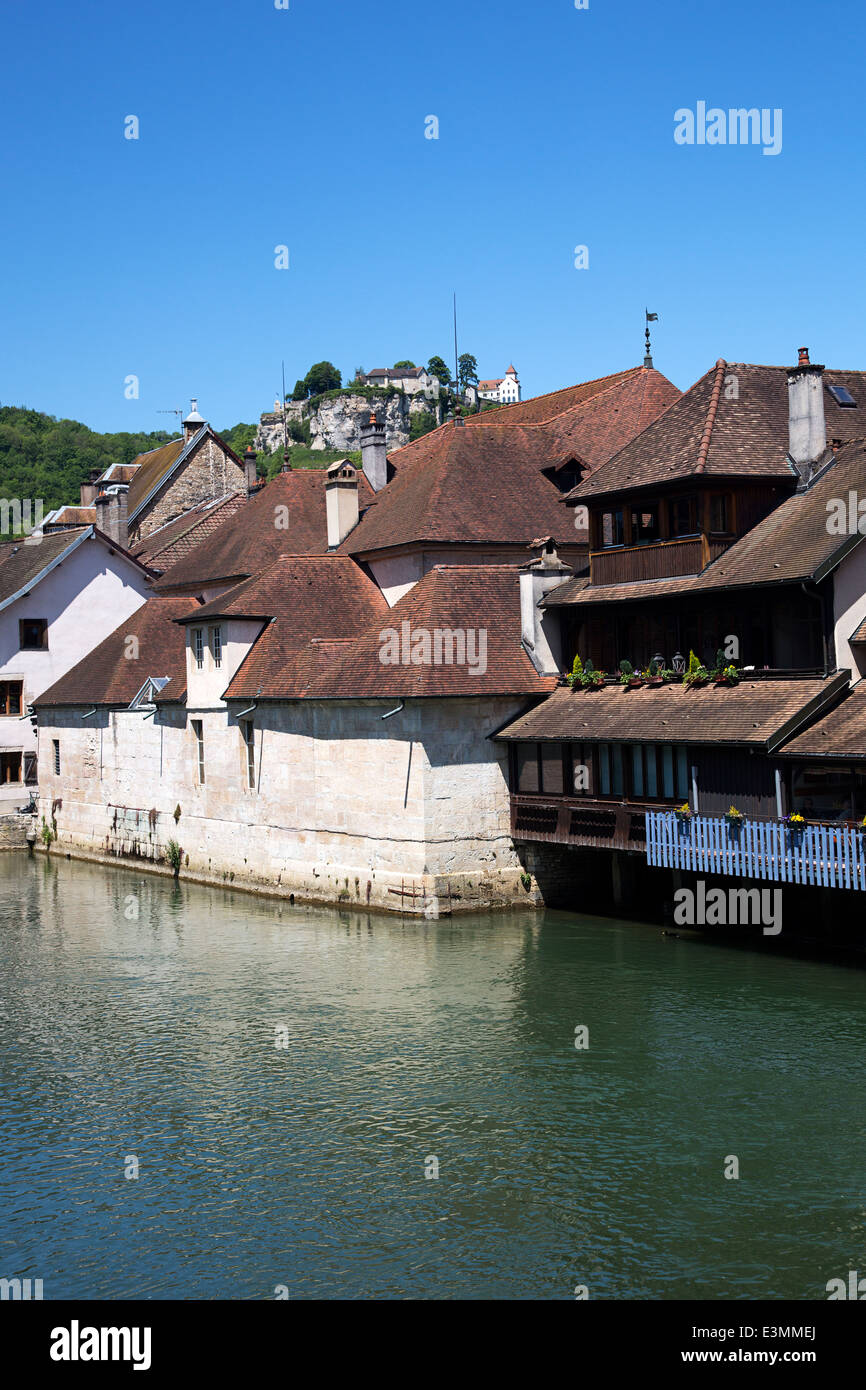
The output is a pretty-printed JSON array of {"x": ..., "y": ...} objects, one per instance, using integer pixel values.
[{"x": 829, "y": 856}]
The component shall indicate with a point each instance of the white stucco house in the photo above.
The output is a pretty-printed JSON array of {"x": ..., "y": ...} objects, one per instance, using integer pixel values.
[
  {"x": 60, "y": 595},
  {"x": 505, "y": 389}
]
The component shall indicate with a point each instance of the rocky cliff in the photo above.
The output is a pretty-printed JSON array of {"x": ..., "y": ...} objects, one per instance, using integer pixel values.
[{"x": 335, "y": 420}]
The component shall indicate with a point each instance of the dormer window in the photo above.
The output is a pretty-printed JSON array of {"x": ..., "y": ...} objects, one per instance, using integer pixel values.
[
  {"x": 645, "y": 523},
  {"x": 612, "y": 531}
]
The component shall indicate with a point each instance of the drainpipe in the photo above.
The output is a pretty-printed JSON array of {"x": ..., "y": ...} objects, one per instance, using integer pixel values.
[
  {"x": 695, "y": 788},
  {"x": 393, "y": 711},
  {"x": 90, "y": 713},
  {"x": 779, "y": 809},
  {"x": 254, "y": 703}
]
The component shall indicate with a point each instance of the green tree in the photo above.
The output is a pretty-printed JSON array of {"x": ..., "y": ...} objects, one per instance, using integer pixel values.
[
  {"x": 422, "y": 422},
  {"x": 300, "y": 391},
  {"x": 438, "y": 367},
  {"x": 239, "y": 437},
  {"x": 410, "y": 366},
  {"x": 467, "y": 370},
  {"x": 322, "y": 376}
]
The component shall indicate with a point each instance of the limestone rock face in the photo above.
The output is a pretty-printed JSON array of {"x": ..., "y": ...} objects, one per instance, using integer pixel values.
[{"x": 335, "y": 422}]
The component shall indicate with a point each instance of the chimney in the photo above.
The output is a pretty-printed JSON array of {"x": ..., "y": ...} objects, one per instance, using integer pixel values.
[
  {"x": 341, "y": 501},
  {"x": 111, "y": 510},
  {"x": 807, "y": 433},
  {"x": 250, "y": 468},
  {"x": 193, "y": 422},
  {"x": 539, "y": 632},
  {"x": 374, "y": 459},
  {"x": 89, "y": 490}
]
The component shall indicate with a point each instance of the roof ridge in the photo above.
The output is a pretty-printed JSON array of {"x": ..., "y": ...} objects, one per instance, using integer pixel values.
[
  {"x": 592, "y": 381},
  {"x": 704, "y": 450}
]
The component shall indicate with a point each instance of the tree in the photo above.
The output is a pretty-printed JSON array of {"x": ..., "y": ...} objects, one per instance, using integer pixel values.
[
  {"x": 438, "y": 367},
  {"x": 421, "y": 423},
  {"x": 300, "y": 391},
  {"x": 410, "y": 366},
  {"x": 322, "y": 376},
  {"x": 467, "y": 371}
]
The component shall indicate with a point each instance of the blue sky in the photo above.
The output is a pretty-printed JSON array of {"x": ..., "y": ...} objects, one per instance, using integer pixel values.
[{"x": 305, "y": 127}]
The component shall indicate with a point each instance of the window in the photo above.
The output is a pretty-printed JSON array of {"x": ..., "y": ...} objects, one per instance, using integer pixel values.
[
  {"x": 55, "y": 744},
  {"x": 10, "y": 768},
  {"x": 11, "y": 695},
  {"x": 33, "y": 634},
  {"x": 216, "y": 646},
  {"x": 248, "y": 733},
  {"x": 684, "y": 516},
  {"x": 645, "y": 523},
  {"x": 828, "y": 792},
  {"x": 612, "y": 532},
  {"x": 842, "y": 396},
  {"x": 199, "y": 738},
  {"x": 719, "y": 512},
  {"x": 644, "y": 771},
  {"x": 198, "y": 646}
]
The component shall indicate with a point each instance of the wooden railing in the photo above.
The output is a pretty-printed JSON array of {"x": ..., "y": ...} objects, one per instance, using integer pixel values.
[
  {"x": 832, "y": 856},
  {"x": 578, "y": 821},
  {"x": 629, "y": 564}
]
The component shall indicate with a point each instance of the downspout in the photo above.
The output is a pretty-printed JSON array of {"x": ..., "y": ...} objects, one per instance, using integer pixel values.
[
  {"x": 393, "y": 711},
  {"x": 90, "y": 712}
]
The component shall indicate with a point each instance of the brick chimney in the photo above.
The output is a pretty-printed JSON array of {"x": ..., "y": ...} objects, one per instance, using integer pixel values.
[
  {"x": 193, "y": 422},
  {"x": 250, "y": 468},
  {"x": 807, "y": 432},
  {"x": 89, "y": 491},
  {"x": 539, "y": 632},
  {"x": 341, "y": 501},
  {"x": 374, "y": 458},
  {"x": 111, "y": 511}
]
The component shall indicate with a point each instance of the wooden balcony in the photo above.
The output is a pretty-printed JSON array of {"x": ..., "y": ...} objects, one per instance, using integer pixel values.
[
  {"x": 630, "y": 564},
  {"x": 578, "y": 821},
  {"x": 828, "y": 855}
]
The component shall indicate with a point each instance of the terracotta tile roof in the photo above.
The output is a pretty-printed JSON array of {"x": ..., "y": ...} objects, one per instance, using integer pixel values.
[
  {"x": 859, "y": 633},
  {"x": 318, "y": 602},
  {"x": 539, "y": 409},
  {"x": 595, "y": 429},
  {"x": 791, "y": 544},
  {"x": 178, "y": 538},
  {"x": 254, "y": 536},
  {"x": 150, "y": 469},
  {"x": 70, "y": 516},
  {"x": 709, "y": 432},
  {"x": 759, "y": 714},
  {"x": 108, "y": 676},
  {"x": 839, "y": 734},
  {"x": 458, "y": 598}
]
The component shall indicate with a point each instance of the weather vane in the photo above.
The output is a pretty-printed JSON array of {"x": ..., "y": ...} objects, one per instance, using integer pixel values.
[{"x": 650, "y": 318}]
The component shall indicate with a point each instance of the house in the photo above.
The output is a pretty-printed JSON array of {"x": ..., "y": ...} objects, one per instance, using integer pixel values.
[
  {"x": 350, "y": 642},
  {"x": 413, "y": 380},
  {"x": 505, "y": 389},
  {"x": 130, "y": 501},
  {"x": 60, "y": 595},
  {"x": 714, "y": 533}
]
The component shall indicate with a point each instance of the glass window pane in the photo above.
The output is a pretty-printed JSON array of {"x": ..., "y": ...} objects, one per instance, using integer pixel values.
[
  {"x": 527, "y": 767},
  {"x": 651, "y": 780},
  {"x": 668, "y": 771},
  {"x": 604, "y": 769},
  {"x": 617, "y": 759},
  {"x": 683, "y": 773},
  {"x": 637, "y": 770},
  {"x": 551, "y": 768},
  {"x": 822, "y": 792}
]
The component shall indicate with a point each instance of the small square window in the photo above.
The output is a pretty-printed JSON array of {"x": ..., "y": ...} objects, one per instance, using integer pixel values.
[{"x": 33, "y": 634}]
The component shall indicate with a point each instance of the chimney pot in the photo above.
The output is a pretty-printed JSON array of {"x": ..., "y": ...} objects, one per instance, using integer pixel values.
[
  {"x": 804, "y": 357},
  {"x": 250, "y": 468}
]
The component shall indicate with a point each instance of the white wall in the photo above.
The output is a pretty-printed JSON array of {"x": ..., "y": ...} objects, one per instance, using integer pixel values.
[
  {"x": 849, "y": 610},
  {"x": 84, "y": 599},
  {"x": 205, "y": 687}
]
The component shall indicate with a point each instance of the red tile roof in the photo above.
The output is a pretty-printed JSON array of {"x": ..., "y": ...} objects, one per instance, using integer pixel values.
[
  {"x": 540, "y": 409},
  {"x": 840, "y": 734},
  {"x": 256, "y": 534},
  {"x": 109, "y": 675},
  {"x": 733, "y": 422},
  {"x": 452, "y": 598},
  {"x": 173, "y": 542},
  {"x": 317, "y": 601},
  {"x": 756, "y": 713}
]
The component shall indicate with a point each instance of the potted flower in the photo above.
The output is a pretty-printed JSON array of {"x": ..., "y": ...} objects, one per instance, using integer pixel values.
[
  {"x": 591, "y": 679},
  {"x": 734, "y": 819},
  {"x": 862, "y": 826},
  {"x": 574, "y": 676},
  {"x": 697, "y": 674},
  {"x": 729, "y": 675},
  {"x": 653, "y": 674},
  {"x": 629, "y": 677},
  {"x": 683, "y": 813},
  {"x": 668, "y": 675},
  {"x": 795, "y": 823}
]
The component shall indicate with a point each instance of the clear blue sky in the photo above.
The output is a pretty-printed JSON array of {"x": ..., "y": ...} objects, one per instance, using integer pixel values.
[{"x": 305, "y": 127}]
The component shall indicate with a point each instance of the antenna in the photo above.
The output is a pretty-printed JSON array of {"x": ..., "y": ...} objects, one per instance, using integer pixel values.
[
  {"x": 286, "y": 464},
  {"x": 456, "y": 373},
  {"x": 171, "y": 412}
]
